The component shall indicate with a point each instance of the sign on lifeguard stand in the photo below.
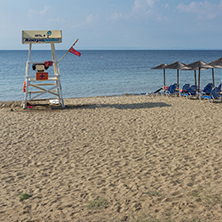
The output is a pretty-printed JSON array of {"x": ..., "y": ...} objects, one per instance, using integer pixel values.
[{"x": 44, "y": 82}]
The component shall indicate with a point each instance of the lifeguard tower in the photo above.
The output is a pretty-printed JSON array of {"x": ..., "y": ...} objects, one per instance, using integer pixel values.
[{"x": 39, "y": 83}]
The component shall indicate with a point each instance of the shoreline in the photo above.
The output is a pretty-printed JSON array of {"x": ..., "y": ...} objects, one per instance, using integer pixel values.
[
  {"x": 16, "y": 103},
  {"x": 125, "y": 94},
  {"x": 120, "y": 158}
]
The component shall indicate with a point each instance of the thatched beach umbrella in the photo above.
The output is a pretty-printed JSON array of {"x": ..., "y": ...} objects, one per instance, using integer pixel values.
[
  {"x": 162, "y": 66},
  {"x": 216, "y": 64},
  {"x": 198, "y": 65},
  {"x": 177, "y": 65}
]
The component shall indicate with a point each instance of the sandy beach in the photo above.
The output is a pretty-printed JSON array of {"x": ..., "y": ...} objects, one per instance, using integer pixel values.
[{"x": 127, "y": 158}]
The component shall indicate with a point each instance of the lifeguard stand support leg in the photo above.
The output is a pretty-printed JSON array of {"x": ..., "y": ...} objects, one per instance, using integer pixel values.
[
  {"x": 57, "y": 73},
  {"x": 27, "y": 69}
]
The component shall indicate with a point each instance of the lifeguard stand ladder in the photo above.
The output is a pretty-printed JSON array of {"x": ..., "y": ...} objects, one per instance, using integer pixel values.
[{"x": 44, "y": 83}]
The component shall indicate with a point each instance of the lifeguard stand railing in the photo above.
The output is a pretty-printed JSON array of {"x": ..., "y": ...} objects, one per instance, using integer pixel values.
[{"x": 38, "y": 82}]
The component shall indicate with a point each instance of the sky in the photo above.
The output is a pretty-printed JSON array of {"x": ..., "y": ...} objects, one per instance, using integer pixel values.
[{"x": 115, "y": 24}]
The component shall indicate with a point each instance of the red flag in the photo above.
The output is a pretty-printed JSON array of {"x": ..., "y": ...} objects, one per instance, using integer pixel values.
[{"x": 73, "y": 51}]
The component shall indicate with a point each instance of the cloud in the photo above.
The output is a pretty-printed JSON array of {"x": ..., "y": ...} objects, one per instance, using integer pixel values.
[
  {"x": 203, "y": 10},
  {"x": 58, "y": 20},
  {"x": 138, "y": 4},
  {"x": 32, "y": 14},
  {"x": 166, "y": 5},
  {"x": 45, "y": 10},
  {"x": 89, "y": 19},
  {"x": 143, "y": 7},
  {"x": 47, "y": 15},
  {"x": 116, "y": 16}
]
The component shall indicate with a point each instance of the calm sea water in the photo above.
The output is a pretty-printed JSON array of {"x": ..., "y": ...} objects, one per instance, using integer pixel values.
[{"x": 105, "y": 72}]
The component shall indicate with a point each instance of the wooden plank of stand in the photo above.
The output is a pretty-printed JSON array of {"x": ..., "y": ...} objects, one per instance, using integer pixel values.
[
  {"x": 29, "y": 100},
  {"x": 44, "y": 90},
  {"x": 46, "y": 84},
  {"x": 50, "y": 79}
]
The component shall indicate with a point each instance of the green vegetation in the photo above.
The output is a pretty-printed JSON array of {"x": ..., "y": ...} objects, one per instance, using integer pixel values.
[
  {"x": 153, "y": 193},
  {"x": 213, "y": 199},
  {"x": 152, "y": 219},
  {"x": 24, "y": 196},
  {"x": 99, "y": 203},
  {"x": 209, "y": 199}
]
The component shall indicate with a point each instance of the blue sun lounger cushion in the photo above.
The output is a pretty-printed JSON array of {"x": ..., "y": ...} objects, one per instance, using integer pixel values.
[
  {"x": 219, "y": 87},
  {"x": 215, "y": 94},
  {"x": 192, "y": 90},
  {"x": 185, "y": 88},
  {"x": 207, "y": 89},
  {"x": 171, "y": 89}
]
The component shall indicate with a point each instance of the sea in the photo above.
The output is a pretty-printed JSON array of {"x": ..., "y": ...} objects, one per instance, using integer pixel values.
[{"x": 105, "y": 72}]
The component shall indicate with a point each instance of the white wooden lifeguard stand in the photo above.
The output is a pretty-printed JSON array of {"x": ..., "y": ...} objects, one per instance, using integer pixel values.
[{"x": 46, "y": 84}]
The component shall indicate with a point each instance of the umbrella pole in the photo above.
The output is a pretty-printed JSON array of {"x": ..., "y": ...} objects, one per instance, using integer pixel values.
[
  {"x": 213, "y": 76},
  {"x": 198, "y": 87},
  {"x": 195, "y": 77},
  {"x": 164, "y": 80},
  {"x": 177, "y": 78}
]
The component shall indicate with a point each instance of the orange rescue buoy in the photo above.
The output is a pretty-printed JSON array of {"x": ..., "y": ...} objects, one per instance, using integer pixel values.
[{"x": 24, "y": 86}]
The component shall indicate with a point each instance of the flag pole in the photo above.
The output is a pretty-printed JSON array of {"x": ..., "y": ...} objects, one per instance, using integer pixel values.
[{"x": 68, "y": 50}]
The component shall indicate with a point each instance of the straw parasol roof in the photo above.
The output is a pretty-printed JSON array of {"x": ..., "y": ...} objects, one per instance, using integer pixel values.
[
  {"x": 177, "y": 65},
  {"x": 162, "y": 66},
  {"x": 198, "y": 65},
  {"x": 216, "y": 63}
]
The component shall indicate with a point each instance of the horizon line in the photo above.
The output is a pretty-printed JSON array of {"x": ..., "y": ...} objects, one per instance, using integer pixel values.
[{"x": 139, "y": 49}]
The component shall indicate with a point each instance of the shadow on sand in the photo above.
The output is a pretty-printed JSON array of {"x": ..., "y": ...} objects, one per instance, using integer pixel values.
[
  {"x": 116, "y": 106},
  {"x": 16, "y": 104}
]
